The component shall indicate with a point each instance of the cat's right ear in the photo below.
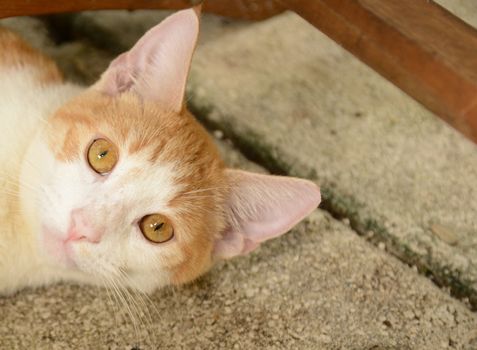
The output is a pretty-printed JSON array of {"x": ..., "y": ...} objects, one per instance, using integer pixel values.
[
  {"x": 156, "y": 68},
  {"x": 261, "y": 207}
]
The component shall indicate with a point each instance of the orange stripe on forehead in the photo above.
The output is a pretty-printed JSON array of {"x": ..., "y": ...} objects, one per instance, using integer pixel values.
[
  {"x": 70, "y": 145},
  {"x": 74, "y": 125}
]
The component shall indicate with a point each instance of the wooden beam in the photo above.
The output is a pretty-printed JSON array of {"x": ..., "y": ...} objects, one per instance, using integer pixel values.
[
  {"x": 416, "y": 44},
  {"x": 245, "y": 9}
]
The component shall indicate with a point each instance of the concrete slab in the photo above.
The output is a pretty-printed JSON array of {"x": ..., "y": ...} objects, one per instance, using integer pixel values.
[{"x": 298, "y": 103}]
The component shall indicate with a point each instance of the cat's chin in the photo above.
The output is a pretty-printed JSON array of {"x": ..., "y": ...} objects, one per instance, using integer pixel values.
[{"x": 147, "y": 283}]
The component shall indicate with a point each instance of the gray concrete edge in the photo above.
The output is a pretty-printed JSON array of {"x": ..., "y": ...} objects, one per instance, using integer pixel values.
[{"x": 341, "y": 206}]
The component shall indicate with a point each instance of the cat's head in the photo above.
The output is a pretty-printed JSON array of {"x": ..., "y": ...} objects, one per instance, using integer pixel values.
[{"x": 132, "y": 189}]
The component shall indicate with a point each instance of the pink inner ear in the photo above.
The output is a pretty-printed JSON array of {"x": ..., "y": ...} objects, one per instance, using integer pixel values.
[
  {"x": 156, "y": 68},
  {"x": 262, "y": 207}
]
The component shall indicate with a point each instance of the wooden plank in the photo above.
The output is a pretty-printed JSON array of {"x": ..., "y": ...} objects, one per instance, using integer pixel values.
[
  {"x": 245, "y": 9},
  {"x": 416, "y": 44}
]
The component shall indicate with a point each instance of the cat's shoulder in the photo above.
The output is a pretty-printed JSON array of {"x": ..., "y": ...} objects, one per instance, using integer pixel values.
[{"x": 16, "y": 53}]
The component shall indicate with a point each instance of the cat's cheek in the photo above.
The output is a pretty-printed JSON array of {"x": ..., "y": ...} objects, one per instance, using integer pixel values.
[{"x": 55, "y": 248}]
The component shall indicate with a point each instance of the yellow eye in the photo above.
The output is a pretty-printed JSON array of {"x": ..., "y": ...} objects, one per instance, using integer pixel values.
[
  {"x": 102, "y": 156},
  {"x": 156, "y": 228}
]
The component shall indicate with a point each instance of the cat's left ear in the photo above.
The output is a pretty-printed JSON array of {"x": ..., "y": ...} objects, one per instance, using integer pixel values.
[
  {"x": 261, "y": 207},
  {"x": 156, "y": 68}
]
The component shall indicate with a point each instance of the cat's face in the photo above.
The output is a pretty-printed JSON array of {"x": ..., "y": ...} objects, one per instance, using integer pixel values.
[
  {"x": 157, "y": 162},
  {"x": 129, "y": 189}
]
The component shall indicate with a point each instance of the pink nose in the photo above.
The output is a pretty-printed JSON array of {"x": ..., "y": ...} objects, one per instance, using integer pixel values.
[{"x": 82, "y": 229}]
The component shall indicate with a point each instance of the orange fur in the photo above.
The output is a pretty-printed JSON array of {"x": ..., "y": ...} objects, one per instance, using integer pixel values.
[{"x": 14, "y": 52}]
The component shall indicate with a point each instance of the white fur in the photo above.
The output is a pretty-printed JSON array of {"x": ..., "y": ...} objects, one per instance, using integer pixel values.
[{"x": 23, "y": 107}]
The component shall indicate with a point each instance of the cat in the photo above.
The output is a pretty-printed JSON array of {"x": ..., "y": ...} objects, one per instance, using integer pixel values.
[{"x": 118, "y": 182}]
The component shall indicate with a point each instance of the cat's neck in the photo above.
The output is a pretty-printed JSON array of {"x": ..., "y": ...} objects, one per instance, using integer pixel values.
[{"x": 24, "y": 106}]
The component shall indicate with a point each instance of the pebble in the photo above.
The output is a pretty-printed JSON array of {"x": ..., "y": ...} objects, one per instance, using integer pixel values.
[
  {"x": 445, "y": 234},
  {"x": 219, "y": 134},
  {"x": 249, "y": 293},
  {"x": 326, "y": 339}
]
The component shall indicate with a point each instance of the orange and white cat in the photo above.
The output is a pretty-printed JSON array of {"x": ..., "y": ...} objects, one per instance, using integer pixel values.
[{"x": 118, "y": 182}]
